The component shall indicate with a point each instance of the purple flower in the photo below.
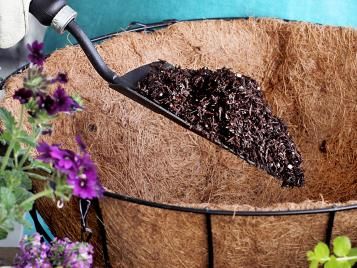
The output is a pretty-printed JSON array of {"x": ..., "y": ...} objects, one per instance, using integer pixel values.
[
  {"x": 78, "y": 255},
  {"x": 62, "y": 160},
  {"x": 57, "y": 251},
  {"x": 47, "y": 103},
  {"x": 66, "y": 163},
  {"x": 62, "y": 78},
  {"x": 85, "y": 187},
  {"x": 71, "y": 254},
  {"x": 61, "y": 253},
  {"x": 36, "y": 56},
  {"x": 79, "y": 168},
  {"x": 59, "y": 102},
  {"x": 33, "y": 253},
  {"x": 85, "y": 182},
  {"x": 64, "y": 103},
  {"x": 47, "y": 131},
  {"x": 45, "y": 151},
  {"x": 23, "y": 95}
]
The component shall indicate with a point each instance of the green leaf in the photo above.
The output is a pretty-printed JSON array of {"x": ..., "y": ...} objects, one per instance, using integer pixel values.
[
  {"x": 314, "y": 264},
  {"x": 310, "y": 255},
  {"x": 335, "y": 263},
  {"x": 353, "y": 253},
  {"x": 36, "y": 176},
  {"x": 36, "y": 79},
  {"x": 21, "y": 195},
  {"x": 79, "y": 100},
  {"x": 6, "y": 220},
  {"x": 36, "y": 164},
  {"x": 341, "y": 246},
  {"x": 28, "y": 206},
  {"x": 17, "y": 147},
  {"x": 322, "y": 252},
  {"x": 345, "y": 264},
  {"x": 10, "y": 163},
  {"x": 3, "y": 212},
  {"x": 7, "y": 118},
  {"x": 42, "y": 118},
  {"x": 6, "y": 136},
  {"x": 26, "y": 139},
  {"x": 7, "y": 198},
  {"x": 3, "y": 233},
  {"x": 26, "y": 182},
  {"x": 332, "y": 263},
  {"x": 11, "y": 180},
  {"x": 17, "y": 178}
]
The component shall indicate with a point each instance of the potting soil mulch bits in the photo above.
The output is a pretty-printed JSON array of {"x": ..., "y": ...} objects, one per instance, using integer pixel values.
[{"x": 229, "y": 109}]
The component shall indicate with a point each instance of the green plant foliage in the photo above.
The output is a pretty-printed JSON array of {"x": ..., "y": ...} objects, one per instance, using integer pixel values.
[
  {"x": 344, "y": 256},
  {"x": 341, "y": 246},
  {"x": 20, "y": 137},
  {"x": 18, "y": 168}
]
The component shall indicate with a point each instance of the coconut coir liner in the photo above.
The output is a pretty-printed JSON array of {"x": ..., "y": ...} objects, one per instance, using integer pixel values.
[{"x": 308, "y": 75}]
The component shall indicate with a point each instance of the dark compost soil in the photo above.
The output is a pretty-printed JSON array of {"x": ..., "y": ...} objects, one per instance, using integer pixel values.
[{"x": 229, "y": 109}]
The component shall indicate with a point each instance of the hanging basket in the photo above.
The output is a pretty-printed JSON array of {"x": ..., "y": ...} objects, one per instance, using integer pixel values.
[{"x": 174, "y": 199}]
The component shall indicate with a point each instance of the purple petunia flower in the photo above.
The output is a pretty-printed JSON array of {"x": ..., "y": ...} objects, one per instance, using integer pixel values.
[
  {"x": 64, "y": 103},
  {"x": 85, "y": 182},
  {"x": 23, "y": 95},
  {"x": 47, "y": 103},
  {"x": 36, "y": 56},
  {"x": 59, "y": 102},
  {"x": 79, "y": 168},
  {"x": 62, "y": 160},
  {"x": 62, "y": 78}
]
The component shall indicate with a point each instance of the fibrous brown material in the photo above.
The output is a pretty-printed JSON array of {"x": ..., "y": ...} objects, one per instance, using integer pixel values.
[{"x": 308, "y": 74}]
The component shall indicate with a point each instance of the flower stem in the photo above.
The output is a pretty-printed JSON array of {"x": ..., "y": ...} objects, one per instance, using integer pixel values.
[
  {"x": 350, "y": 258},
  {"x": 21, "y": 117},
  {"x": 36, "y": 196},
  {"x": 5, "y": 160},
  {"x": 36, "y": 176},
  {"x": 20, "y": 126},
  {"x": 28, "y": 150},
  {"x": 25, "y": 156}
]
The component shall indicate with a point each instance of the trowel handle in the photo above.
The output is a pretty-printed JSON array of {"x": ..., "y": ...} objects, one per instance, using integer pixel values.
[
  {"x": 46, "y": 10},
  {"x": 61, "y": 17}
]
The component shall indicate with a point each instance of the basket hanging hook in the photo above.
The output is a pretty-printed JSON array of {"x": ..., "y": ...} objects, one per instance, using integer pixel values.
[
  {"x": 60, "y": 203},
  {"x": 86, "y": 232}
]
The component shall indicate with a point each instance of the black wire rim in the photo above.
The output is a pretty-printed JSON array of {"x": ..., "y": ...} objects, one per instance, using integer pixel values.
[{"x": 138, "y": 201}]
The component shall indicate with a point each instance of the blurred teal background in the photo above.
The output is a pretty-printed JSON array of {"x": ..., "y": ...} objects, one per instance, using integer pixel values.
[
  {"x": 98, "y": 17},
  {"x": 31, "y": 229}
]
